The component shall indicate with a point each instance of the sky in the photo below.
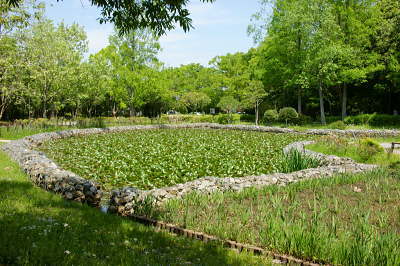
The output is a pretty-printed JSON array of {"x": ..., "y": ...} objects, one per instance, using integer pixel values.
[{"x": 220, "y": 28}]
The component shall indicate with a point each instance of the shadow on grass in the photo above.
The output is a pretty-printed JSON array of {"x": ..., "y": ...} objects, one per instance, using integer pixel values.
[{"x": 37, "y": 227}]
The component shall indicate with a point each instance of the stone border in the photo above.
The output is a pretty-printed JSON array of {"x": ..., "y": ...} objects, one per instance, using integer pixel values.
[{"x": 46, "y": 174}]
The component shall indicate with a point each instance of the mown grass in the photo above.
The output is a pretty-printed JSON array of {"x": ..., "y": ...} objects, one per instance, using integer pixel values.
[
  {"x": 40, "y": 228},
  {"x": 346, "y": 220},
  {"x": 158, "y": 158}
]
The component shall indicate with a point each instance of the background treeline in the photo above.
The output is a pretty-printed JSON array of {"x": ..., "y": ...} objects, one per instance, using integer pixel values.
[{"x": 323, "y": 57}]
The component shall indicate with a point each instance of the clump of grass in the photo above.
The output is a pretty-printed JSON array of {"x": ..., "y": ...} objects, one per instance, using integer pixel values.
[
  {"x": 363, "y": 150},
  {"x": 295, "y": 160}
]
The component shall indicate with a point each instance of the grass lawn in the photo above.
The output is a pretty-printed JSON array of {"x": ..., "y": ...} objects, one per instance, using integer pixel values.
[
  {"x": 347, "y": 220},
  {"x": 40, "y": 228},
  {"x": 158, "y": 158}
]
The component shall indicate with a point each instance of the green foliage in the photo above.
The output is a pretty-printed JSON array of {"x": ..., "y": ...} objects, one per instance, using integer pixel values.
[
  {"x": 325, "y": 220},
  {"x": 271, "y": 116},
  {"x": 295, "y": 160},
  {"x": 384, "y": 120},
  {"x": 186, "y": 119},
  {"x": 157, "y": 158},
  {"x": 360, "y": 150},
  {"x": 337, "y": 125},
  {"x": 377, "y": 120},
  {"x": 368, "y": 148},
  {"x": 227, "y": 118},
  {"x": 304, "y": 119},
  {"x": 35, "y": 222},
  {"x": 288, "y": 115},
  {"x": 362, "y": 119},
  {"x": 228, "y": 104}
]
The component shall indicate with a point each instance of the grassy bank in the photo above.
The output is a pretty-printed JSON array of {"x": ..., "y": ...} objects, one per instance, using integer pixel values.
[
  {"x": 40, "y": 228},
  {"x": 347, "y": 220}
]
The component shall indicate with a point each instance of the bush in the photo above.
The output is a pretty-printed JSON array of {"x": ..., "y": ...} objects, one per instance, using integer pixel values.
[
  {"x": 295, "y": 160},
  {"x": 337, "y": 125},
  {"x": 362, "y": 119},
  {"x": 384, "y": 120},
  {"x": 247, "y": 118},
  {"x": 368, "y": 147},
  {"x": 168, "y": 119},
  {"x": 271, "y": 116},
  {"x": 227, "y": 118},
  {"x": 331, "y": 119},
  {"x": 304, "y": 119},
  {"x": 288, "y": 114}
]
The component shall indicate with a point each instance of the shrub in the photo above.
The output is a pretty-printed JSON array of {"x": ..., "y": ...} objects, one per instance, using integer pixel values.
[
  {"x": 295, "y": 160},
  {"x": 304, "y": 119},
  {"x": 362, "y": 119},
  {"x": 247, "y": 118},
  {"x": 384, "y": 120},
  {"x": 337, "y": 125},
  {"x": 288, "y": 114},
  {"x": 368, "y": 147},
  {"x": 227, "y": 118},
  {"x": 330, "y": 119},
  {"x": 271, "y": 116}
]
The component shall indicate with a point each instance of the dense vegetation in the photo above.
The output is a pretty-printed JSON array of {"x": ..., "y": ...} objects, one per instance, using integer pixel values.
[
  {"x": 333, "y": 57},
  {"x": 345, "y": 220},
  {"x": 158, "y": 158},
  {"x": 40, "y": 228}
]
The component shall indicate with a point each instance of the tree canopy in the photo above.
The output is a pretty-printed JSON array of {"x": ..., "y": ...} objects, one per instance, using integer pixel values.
[{"x": 158, "y": 15}]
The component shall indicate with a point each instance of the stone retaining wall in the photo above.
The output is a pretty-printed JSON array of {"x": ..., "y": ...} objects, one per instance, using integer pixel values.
[{"x": 46, "y": 174}]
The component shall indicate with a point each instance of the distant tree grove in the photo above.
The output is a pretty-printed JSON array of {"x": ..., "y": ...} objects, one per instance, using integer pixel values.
[{"x": 323, "y": 57}]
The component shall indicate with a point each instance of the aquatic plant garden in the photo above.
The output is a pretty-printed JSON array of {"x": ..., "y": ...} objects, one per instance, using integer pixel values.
[{"x": 157, "y": 158}]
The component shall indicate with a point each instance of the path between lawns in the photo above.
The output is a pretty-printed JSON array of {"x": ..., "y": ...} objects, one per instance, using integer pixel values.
[{"x": 5, "y": 140}]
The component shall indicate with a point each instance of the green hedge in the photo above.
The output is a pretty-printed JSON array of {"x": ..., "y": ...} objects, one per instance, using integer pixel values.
[{"x": 377, "y": 120}]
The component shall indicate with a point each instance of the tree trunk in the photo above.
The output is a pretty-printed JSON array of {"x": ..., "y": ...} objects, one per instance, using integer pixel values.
[
  {"x": 256, "y": 110},
  {"x": 321, "y": 104},
  {"x": 344, "y": 102},
  {"x": 299, "y": 103},
  {"x": 132, "y": 111}
]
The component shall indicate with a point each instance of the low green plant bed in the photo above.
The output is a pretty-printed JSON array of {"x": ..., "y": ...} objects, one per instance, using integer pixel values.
[
  {"x": 363, "y": 150},
  {"x": 158, "y": 158},
  {"x": 344, "y": 220}
]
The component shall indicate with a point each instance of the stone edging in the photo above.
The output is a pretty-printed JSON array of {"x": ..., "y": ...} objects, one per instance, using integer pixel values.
[{"x": 46, "y": 174}]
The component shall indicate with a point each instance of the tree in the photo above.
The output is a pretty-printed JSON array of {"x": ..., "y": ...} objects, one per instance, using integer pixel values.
[
  {"x": 195, "y": 101},
  {"x": 228, "y": 104},
  {"x": 157, "y": 15},
  {"x": 130, "y": 54}
]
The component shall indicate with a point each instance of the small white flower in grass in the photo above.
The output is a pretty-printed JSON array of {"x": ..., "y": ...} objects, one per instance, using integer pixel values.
[
  {"x": 66, "y": 225},
  {"x": 67, "y": 252}
]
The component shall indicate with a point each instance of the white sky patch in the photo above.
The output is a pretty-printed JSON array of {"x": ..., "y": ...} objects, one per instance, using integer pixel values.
[{"x": 98, "y": 38}]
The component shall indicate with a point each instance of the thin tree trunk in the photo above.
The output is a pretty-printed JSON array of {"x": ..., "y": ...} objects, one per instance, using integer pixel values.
[
  {"x": 299, "y": 103},
  {"x": 344, "y": 102},
  {"x": 321, "y": 104},
  {"x": 256, "y": 109}
]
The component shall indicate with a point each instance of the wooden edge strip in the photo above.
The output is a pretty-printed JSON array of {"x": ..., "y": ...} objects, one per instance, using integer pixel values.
[{"x": 226, "y": 243}]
